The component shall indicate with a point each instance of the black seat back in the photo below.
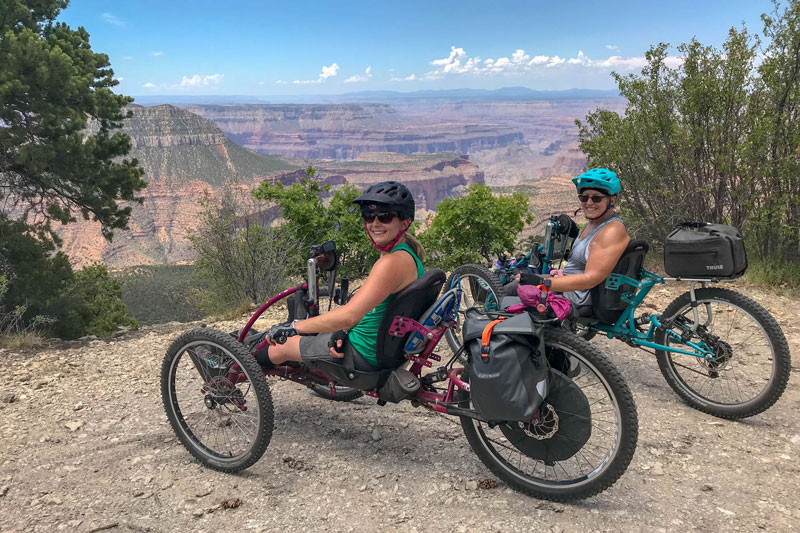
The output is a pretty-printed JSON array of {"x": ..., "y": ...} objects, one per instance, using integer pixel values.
[
  {"x": 411, "y": 302},
  {"x": 607, "y": 304}
]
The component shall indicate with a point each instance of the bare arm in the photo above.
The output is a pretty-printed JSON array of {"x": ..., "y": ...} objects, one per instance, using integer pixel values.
[
  {"x": 390, "y": 274},
  {"x": 604, "y": 251}
]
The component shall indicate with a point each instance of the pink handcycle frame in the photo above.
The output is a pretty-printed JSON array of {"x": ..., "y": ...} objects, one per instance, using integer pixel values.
[{"x": 400, "y": 327}]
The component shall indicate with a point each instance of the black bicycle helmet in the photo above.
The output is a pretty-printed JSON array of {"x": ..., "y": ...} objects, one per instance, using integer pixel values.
[{"x": 388, "y": 196}]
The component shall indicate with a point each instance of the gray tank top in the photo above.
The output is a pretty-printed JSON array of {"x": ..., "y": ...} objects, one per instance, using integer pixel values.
[{"x": 577, "y": 262}]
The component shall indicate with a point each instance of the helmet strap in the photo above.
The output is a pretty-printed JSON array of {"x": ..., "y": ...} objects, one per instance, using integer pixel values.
[{"x": 388, "y": 247}]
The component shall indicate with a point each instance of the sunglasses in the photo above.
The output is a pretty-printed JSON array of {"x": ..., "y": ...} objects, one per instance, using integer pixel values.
[
  {"x": 595, "y": 199},
  {"x": 383, "y": 218}
]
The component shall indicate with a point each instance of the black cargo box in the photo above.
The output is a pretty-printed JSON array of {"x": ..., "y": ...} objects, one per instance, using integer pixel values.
[{"x": 703, "y": 250}]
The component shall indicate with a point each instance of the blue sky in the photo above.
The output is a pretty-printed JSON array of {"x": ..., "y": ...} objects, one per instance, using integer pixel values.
[{"x": 238, "y": 47}]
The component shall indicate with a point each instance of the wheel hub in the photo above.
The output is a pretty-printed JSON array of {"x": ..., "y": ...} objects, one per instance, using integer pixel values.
[
  {"x": 544, "y": 426},
  {"x": 221, "y": 391},
  {"x": 722, "y": 354},
  {"x": 210, "y": 402}
]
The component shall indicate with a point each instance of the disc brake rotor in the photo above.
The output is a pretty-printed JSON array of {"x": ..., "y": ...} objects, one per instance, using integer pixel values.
[{"x": 564, "y": 426}]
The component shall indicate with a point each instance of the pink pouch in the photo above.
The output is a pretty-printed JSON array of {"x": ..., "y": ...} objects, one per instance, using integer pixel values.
[
  {"x": 531, "y": 296},
  {"x": 559, "y": 304}
]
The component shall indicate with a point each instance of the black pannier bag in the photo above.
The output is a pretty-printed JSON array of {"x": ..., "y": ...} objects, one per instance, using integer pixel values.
[
  {"x": 508, "y": 379},
  {"x": 704, "y": 250}
]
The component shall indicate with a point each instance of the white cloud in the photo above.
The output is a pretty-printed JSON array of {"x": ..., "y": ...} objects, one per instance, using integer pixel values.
[
  {"x": 327, "y": 72},
  {"x": 127, "y": 58},
  {"x": 580, "y": 60},
  {"x": 281, "y": 82},
  {"x": 148, "y": 85},
  {"x": 459, "y": 62},
  {"x": 158, "y": 53},
  {"x": 120, "y": 78},
  {"x": 356, "y": 79},
  {"x": 452, "y": 63},
  {"x": 201, "y": 81},
  {"x": 114, "y": 20},
  {"x": 627, "y": 63},
  {"x": 613, "y": 47},
  {"x": 410, "y": 78}
]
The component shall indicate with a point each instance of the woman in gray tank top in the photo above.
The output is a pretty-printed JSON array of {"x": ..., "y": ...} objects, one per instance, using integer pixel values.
[{"x": 600, "y": 245}]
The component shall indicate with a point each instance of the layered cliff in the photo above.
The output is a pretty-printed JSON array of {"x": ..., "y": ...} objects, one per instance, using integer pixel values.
[
  {"x": 185, "y": 157},
  {"x": 343, "y": 132}
]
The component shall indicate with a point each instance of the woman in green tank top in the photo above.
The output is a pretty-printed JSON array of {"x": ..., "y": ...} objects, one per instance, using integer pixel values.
[{"x": 387, "y": 209}]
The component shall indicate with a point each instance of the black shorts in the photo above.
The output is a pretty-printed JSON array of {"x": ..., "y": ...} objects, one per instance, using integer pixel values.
[{"x": 315, "y": 347}]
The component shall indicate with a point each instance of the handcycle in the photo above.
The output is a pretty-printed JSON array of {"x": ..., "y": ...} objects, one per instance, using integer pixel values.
[
  {"x": 219, "y": 403},
  {"x": 483, "y": 287},
  {"x": 719, "y": 350}
]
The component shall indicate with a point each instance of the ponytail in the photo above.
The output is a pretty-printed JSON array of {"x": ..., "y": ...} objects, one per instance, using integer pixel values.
[{"x": 414, "y": 244}]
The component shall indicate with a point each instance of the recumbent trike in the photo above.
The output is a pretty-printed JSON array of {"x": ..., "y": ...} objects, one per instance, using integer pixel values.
[{"x": 578, "y": 442}]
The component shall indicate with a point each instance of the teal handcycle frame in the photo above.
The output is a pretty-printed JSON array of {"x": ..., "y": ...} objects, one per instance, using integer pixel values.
[{"x": 625, "y": 326}]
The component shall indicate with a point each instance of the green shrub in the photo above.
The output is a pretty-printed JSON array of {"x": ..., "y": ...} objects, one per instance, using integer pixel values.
[
  {"x": 474, "y": 228},
  {"x": 93, "y": 305},
  {"x": 155, "y": 294},
  {"x": 239, "y": 257},
  {"x": 306, "y": 216}
]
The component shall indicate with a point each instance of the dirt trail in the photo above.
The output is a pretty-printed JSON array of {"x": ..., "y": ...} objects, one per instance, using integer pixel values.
[{"x": 85, "y": 446}]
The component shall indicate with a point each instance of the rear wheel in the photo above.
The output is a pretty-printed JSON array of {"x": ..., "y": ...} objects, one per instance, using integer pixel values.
[
  {"x": 217, "y": 399},
  {"x": 751, "y": 362},
  {"x": 583, "y": 439},
  {"x": 480, "y": 289}
]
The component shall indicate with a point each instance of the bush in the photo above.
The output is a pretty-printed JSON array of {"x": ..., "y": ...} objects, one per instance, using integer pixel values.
[
  {"x": 716, "y": 138},
  {"x": 240, "y": 258},
  {"x": 40, "y": 291},
  {"x": 92, "y": 305},
  {"x": 474, "y": 228},
  {"x": 155, "y": 294},
  {"x": 307, "y": 217}
]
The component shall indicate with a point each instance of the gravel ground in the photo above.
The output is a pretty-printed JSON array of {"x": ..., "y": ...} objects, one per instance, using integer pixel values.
[{"x": 85, "y": 446}]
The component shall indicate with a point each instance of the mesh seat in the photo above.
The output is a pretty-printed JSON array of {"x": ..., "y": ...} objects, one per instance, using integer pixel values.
[
  {"x": 607, "y": 304},
  {"x": 411, "y": 302}
]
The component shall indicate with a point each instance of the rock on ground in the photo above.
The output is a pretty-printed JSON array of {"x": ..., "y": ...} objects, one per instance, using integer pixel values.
[{"x": 85, "y": 446}]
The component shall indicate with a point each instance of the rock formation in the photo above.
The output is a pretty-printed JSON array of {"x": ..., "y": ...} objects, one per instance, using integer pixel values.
[
  {"x": 185, "y": 157},
  {"x": 344, "y": 131}
]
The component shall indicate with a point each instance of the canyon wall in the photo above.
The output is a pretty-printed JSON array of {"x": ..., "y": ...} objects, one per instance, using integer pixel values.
[{"x": 186, "y": 157}]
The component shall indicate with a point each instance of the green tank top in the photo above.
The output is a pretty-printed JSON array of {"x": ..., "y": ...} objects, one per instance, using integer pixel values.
[{"x": 364, "y": 335}]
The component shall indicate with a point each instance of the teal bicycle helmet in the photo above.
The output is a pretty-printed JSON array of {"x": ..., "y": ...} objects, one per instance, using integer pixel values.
[{"x": 598, "y": 178}]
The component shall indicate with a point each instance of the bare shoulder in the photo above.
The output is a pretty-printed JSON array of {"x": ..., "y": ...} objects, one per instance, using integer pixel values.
[
  {"x": 613, "y": 234},
  {"x": 398, "y": 267}
]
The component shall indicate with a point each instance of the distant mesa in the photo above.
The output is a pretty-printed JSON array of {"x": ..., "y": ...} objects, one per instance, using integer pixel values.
[
  {"x": 437, "y": 145},
  {"x": 344, "y": 131},
  {"x": 186, "y": 156}
]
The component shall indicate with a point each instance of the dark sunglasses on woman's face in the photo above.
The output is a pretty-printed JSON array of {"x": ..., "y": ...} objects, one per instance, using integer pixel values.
[
  {"x": 595, "y": 198},
  {"x": 383, "y": 218}
]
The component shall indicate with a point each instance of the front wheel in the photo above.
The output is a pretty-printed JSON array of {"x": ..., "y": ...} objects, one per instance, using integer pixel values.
[
  {"x": 750, "y": 366},
  {"x": 480, "y": 288},
  {"x": 217, "y": 399},
  {"x": 583, "y": 438}
]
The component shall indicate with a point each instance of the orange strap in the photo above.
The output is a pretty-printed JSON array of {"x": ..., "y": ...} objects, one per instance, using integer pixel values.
[{"x": 486, "y": 335}]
